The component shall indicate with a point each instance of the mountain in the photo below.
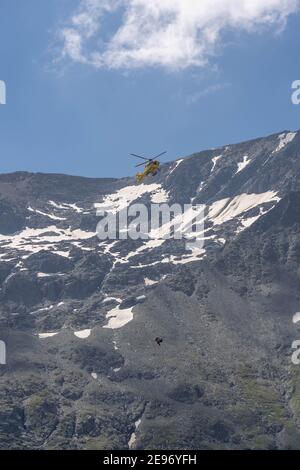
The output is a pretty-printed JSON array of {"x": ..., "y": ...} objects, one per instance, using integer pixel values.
[{"x": 80, "y": 316}]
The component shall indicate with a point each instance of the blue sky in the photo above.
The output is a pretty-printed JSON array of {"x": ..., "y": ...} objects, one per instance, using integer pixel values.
[{"x": 69, "y": 113}]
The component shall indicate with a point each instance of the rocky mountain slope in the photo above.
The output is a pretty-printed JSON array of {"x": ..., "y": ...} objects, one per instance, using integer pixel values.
[{"x": 79, "y": 316}]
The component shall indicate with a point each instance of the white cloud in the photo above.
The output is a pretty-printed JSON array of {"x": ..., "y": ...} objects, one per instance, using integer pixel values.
[{"x": 173, "y": 34}]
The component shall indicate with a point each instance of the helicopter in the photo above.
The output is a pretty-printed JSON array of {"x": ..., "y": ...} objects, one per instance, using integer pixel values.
[{"x": 151, "y": 166}]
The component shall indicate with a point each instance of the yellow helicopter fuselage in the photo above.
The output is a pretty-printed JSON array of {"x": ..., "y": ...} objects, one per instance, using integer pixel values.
[{"x": 150, "y": 169}]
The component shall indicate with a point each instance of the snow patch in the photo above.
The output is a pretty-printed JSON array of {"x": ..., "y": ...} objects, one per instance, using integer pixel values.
[
  {"x": 284, "y": 139},
  {"x": 44, "y": 275},
  {"x": 65, "y": 206},
  {"x": 246, "y": 223},
  {"x": 149, "y": 282},
  {"x": 109, "y": 299},
  {"x": 175, "y": 166},
  {"x": 148, "y": 244},
  {"x": 140, "y": 297},
  {"x": 47, "y": 274},
  {"x": 215, "y": 161},
  {"x": 243, "y": 164},
  {"x": 33, "y": 240},
  {"x": 74, "y": 207},
  {"x": 132, "y": 439},
  {"x": 50, "y": 216},
  {"x": 57, "y": 206},
  {"x": 200, "y": 187},
  {"x": 47, "y": 335},
  {"x": 160, "y": 196},
  {"x": 66, "y": 254},
  {"x": 115, "y": 202},
  {"x": 296, "y": 317},
  {"x": 182, "y": 223},
  {"x": 250, "y": 220},
  {"x": 196, "y": 255},
  {"x": 83, "y": 248},
  {"x": 83, "y": 334},
  {"x": 42, "y": 309},
  {"x": 118, "y": 318},
  {"x": 224, "y": 210}
]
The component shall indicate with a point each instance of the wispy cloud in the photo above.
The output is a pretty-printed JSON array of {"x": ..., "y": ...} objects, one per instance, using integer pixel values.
[
  {"x": 210, "y": 90},
  {"x": 173, "y": 34}
]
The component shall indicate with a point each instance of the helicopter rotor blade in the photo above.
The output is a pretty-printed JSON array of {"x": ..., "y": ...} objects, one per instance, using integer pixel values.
[
  {"x": 157, "y": 156},
  {"x": 139, "y": 156},
  {"x": 140, "y": 164}
]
